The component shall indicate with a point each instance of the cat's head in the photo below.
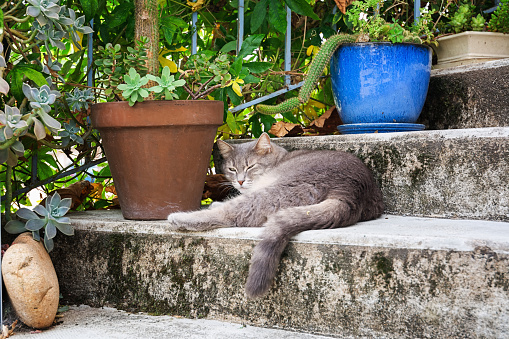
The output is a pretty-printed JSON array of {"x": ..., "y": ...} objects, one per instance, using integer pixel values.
[{"x": 244, "y": 163}]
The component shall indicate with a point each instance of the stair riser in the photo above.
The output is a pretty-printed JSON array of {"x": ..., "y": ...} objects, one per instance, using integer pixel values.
[
  {"x": 468, "y": 97},
  {"x": 457, "y": 173},
  {"x": 322, "y": 288}
]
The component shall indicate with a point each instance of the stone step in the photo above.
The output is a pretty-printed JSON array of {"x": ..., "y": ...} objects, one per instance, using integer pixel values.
[
  {"x": 460, "y": 173},
  {"x": 470, "y": 96},
  {"x": 395, "y": 277}
]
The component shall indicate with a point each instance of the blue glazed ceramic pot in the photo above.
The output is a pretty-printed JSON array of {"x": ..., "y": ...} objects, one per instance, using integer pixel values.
[{"x": 380, "y": 82}]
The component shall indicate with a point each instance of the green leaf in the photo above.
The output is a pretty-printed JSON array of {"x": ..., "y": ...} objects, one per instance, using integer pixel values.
[
  {"x": 277, "y": 15},
  {"x": 15, "y": 227},
  {"x": 25, "y": 213},
  {"x": 89, "y": 8},
  {"x": 35, "y": 224},
  {"x": 251, "y": 43},
  {"x": 267, "y": 121},
  {"x": 228, "y": 47},
  {"x": 36, "y": 236},
  {"x": 33, "y": 74},
  {"x": 233, "y": 96},
  {"x": 44, "y": 171},
  {"x": 258, "y": 67},
  {"x": 251, "y": 79},
  {"x": 65, "y": 228},
  {"x": 171, "y": 20},
  {"x": 258, "y": 15},
  {"x": 121, "y": 13},
  {"x": 4, "y": 154},
  {"x": 236, "y": 67},
  {"x": 48, "y": 243},
  {"x": 48, "y": 120},
  {"x": 51, "y": 230},
  {"x": 41, "y": 210},
  {"x": 1, "y": 21},
  {"x": 302, "y": 7},
  {"x": 256, "y": 126},
  {"x": 230, "y": 121}
]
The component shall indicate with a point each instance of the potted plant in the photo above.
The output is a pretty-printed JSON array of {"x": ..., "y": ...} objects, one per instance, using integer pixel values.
[
  {"x": 159, "y": 149},
  {"x": 380, "y": 72},
  {"x": 472, "y": 35}
]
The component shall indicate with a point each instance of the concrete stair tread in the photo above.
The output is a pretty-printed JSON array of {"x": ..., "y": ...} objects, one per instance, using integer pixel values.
[
  {"x": 390, "y": 231},
  {"x": 397, "y": 276}
]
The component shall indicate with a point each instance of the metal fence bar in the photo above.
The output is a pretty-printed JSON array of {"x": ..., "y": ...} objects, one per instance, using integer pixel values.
[
  {"x": 194, "y": 38},
  {"x": 56, "y": 177},
  {"x": 266, "y": 97},
  {"x": 288, "y": 45},
  {"x": 240, "y": 25},
  {"x": 417, "y": 11},
  {"x": 90, "y": 56}
]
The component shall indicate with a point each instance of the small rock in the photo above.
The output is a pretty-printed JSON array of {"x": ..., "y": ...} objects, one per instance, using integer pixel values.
[{"x": 31, "y": 281}]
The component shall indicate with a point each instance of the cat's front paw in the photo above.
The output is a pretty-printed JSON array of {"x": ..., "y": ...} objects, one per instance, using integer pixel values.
[{"x": 178, "y": 221}]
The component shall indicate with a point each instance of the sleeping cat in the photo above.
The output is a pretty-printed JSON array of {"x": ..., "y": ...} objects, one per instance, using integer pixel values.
[{"x": 287, "y": 193}]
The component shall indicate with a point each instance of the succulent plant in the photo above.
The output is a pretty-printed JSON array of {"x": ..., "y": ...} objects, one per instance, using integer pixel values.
[
  {"x": 77, "y": 24},
  {"x": 499, "y": 21},
  {"x": 461, "y": 18},
  {"x": 166, "y": 84},
  {"x": 78, "y": 99},
  {"x": 10, "y": 121},
  {"x": 40, "y": 101},
  {"x": 114, "y": 64},
  {"x": 133, "y": 88},
  {"x": 69, "y": 133},
  {"x": 43, "y": 10},
  {"x": 49, "y": 217},
  {"x": 478, "y": 23},
  {"x": 40, "y": 98}
]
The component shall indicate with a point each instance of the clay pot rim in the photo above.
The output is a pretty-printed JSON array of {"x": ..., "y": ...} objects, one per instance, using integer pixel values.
[{"x": 156, "y": 113}]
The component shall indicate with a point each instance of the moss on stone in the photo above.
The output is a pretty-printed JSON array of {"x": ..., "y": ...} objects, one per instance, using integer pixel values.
[
  {"x": 425, "y": 160},
  {"x": 383, "y": 267}
]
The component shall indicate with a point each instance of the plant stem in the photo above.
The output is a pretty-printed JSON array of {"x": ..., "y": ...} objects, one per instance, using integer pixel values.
[{"x": 8, "y": 193}]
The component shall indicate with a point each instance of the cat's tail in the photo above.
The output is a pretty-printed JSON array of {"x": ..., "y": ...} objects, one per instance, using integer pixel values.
[{"x": 281, "y": 227}]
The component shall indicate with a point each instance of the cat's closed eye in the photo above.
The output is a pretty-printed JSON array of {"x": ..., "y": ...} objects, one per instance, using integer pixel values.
[{"x": 250, "y": 166}]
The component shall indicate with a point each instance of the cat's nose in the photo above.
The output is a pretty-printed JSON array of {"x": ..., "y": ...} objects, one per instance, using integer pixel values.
[{"x": 241, "y": 182}]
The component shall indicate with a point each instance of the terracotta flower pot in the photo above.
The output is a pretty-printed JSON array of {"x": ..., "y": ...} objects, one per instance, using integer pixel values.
[{"x": 158, "y": 152}]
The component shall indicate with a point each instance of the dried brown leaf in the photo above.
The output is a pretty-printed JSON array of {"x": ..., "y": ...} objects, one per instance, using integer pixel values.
[
  {"x": 343, "y": 4},
  {"x": 327, "y": 123},
  {"x": 281, "y": 129},
  {"x": 77, "y": 192},
  {"x": 217, "y": 187}
]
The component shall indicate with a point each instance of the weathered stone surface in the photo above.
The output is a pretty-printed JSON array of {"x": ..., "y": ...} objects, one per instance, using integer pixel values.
[
  {"x": 468, "y": 97},
  {"x": 31, "y": 281},
  {"x": 451, "y": 173},
  {"x": 397, "y": 277}
]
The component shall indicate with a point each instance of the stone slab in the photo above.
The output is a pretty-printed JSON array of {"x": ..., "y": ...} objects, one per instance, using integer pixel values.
[
  {"x": 85, "y": 322},
  {"x": 461, "y": 173},
  {"x": 472, "y": 96},
  {"x": 396, "y": 277}
]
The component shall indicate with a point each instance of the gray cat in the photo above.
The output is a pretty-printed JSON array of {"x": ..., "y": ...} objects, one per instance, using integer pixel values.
[{"x": 287, "y": 193}]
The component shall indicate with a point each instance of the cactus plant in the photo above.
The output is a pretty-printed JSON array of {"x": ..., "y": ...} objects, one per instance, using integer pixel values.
[{"x": 318, "y": 65}]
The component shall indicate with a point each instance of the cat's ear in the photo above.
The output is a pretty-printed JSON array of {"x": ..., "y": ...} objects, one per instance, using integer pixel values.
[
  {"x": 263, "y": 145},
  {"x": 224, "y": 147}
]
